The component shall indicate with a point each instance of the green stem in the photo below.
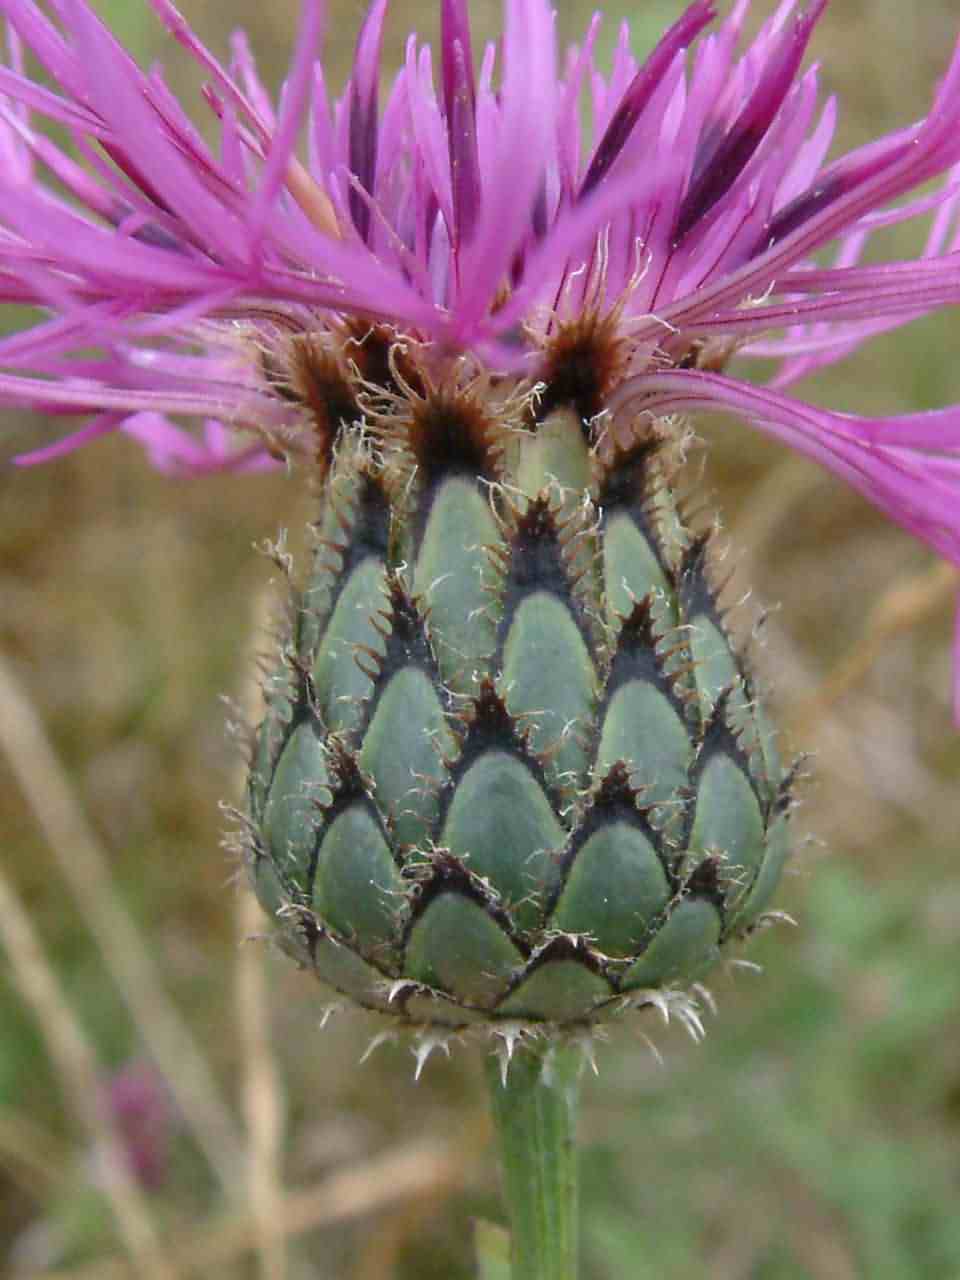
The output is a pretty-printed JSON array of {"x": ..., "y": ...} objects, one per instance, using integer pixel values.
[{"x": 535, "y": 1116}]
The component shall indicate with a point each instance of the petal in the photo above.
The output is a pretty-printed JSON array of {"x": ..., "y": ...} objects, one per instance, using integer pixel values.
[
  {"x": 460, "y": 105},
  {"x": 295, "y": 100},
  {"x": 102, "y": 425},
  {"x": 717, "y": 173},
  {"x": 909, "y": 467},
  {"x": 526, "y": 133},
  {"x": 364, "y": 128},
  {"x": 115, "y": 88},
  {"x": 638, "y": 96}
]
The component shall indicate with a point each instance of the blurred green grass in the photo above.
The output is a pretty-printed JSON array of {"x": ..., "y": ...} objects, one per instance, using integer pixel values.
[{"x": 816, "y": 1133}]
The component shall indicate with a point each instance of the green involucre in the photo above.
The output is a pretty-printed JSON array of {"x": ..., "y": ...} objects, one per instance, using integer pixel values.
[{"x": 512, "y": 766}]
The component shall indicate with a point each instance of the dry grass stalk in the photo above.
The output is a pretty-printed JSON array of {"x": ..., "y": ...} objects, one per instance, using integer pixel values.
[
  {"x": 263, "y": 1106},
  {"x": 33, "y": 1158},
  {"x": 904, "y": 605},
  {"x": 262, "y": 1088},
  {"x": 85, "y": 869},
  {"x": 76, "y": 1065},
  {"x": 425, "y": 1168}
]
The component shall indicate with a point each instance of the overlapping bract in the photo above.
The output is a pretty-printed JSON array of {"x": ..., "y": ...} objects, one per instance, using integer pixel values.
[{"x": 512, "y": 767}]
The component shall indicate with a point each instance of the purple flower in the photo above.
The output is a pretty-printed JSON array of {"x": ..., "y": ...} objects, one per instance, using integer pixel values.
[
  {"x": 139, "y": 1106},
  {"x": 467, "y": 213}
]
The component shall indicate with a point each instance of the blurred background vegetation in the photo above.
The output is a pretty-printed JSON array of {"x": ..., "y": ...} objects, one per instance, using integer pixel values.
[{"x": 816, "y": 1132}]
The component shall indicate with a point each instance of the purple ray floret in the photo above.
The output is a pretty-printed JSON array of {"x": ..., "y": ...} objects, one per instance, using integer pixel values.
[
  {"x": 463, "y": 210},
  {"x": 720, "y": 162},
  {"x": 641, "y": 90}
]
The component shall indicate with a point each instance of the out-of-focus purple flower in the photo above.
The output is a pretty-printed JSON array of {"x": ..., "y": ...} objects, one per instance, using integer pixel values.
[
  {"x": 467, "y": 212},
  {"x": 139, "y": 1106}
]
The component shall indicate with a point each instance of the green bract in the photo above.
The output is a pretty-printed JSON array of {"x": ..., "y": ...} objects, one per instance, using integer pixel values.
[{"x": 511, "y": 766}]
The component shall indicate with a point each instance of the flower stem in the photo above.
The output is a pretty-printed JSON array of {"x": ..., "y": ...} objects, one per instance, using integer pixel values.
[{"x": 535, "y": 1113}]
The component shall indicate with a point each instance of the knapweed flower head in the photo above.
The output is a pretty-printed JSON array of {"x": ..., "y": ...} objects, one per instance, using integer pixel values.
[
  {"x": 468, "y": 213},
  {"x": 512, "y": 768}
]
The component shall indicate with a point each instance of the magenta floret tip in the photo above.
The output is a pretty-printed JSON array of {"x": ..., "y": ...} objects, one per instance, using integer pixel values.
[{"x": 462, "y": 208}]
